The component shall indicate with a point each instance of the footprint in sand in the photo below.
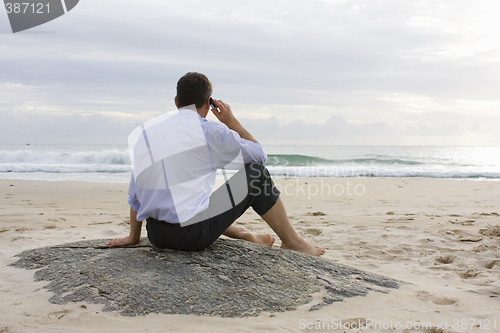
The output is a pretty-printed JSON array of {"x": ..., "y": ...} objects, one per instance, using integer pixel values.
[
  {"x": 446, "y": 259},
  {"x": 426, "y": 330},
  {"x": 492, "y": 231},
  {"x": 484, "y": 247},
  {"x": 491, "y": 263},
  {"x": 469, "y": 274},
  {"x": 353, "y": 322},
  {"x": 466, "y": 222},
  {"x": 443, "y": 301},
  {"x": 316, "y": 214},
  {"x": 313, "y": 231},
  {"x": 436, "y": 299},
  {"x": 58, "y": 314},
  {"x": 464, "y": 236}
]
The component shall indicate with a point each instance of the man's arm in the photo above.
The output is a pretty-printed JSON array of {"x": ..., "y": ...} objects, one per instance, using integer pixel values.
[
  {"x": 226, "y": 116},
  {"x": 135, "y": 232}
]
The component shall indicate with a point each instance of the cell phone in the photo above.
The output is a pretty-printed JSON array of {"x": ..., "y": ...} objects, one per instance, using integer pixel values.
[{"x": 213, "y": 104}]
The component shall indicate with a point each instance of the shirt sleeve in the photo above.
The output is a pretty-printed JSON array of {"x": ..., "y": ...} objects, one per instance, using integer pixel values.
[
  {"x": 132, "y": 195},
  {"x": 220, "y": 133}
]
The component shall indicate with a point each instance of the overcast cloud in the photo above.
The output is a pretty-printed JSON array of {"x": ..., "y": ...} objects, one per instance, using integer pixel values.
[{"x": 315, "y": 72}]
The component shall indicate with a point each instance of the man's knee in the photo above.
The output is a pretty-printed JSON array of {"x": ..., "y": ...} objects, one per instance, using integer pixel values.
[
  {"x": 258, "y": 179},
  {"x": 255, "y": 170},
  {"x": 260, "y": 185}
]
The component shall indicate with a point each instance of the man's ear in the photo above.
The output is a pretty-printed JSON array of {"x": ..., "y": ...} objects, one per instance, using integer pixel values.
[{"x": 175, "y": 100}]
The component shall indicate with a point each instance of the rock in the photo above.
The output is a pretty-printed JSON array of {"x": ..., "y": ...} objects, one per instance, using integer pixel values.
[{"x": 231, "y": 278}]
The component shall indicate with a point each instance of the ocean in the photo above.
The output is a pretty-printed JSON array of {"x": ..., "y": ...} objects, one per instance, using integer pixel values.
[{"x": 111, "y": 163}]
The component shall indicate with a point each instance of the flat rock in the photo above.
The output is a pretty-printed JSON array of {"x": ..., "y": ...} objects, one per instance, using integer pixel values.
[{"x": 231, "y": 278}]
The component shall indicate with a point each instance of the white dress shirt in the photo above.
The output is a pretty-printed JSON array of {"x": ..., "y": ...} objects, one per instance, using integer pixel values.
[{"x": 175, "y": 159}]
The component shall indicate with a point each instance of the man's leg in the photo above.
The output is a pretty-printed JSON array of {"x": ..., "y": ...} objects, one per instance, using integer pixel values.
[
  {"x": 270, "y": 207},
  {"x": 249, "y": 187},
  {"x": 264, "y": 198},
  {"x": 241, "y": 233},
  {"x": 277, "y": 219}
]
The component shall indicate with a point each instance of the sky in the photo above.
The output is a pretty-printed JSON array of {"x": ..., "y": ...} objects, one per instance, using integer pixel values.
[{"x": 329, "y": 72}]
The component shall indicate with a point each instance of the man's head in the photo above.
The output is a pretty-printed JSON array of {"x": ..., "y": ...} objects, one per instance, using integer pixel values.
[{"x": 193, "y": 88}]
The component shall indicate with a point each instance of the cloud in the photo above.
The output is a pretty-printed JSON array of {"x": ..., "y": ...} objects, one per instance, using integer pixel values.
[
  {"x": 67, "y": 129},
  {"x": 370, "y": 60},
  {"x": 337, "y": 130}
]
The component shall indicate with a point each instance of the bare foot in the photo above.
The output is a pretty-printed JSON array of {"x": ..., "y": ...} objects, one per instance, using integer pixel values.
[
  {"x": 305, "y": 247},
  {"x": 261, "y": 239}
]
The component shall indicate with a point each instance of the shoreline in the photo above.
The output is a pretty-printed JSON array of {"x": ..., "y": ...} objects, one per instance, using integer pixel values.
[
  {"x": 220, "y": 177},
  {"x": 424, "y": 231}
]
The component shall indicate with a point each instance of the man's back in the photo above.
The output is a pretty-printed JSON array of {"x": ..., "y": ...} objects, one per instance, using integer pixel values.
[{"x": 176, "y": 158}]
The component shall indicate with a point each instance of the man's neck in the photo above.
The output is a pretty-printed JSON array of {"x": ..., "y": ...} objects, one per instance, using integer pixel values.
[
  {"x": 189, "y": 107},
  {"x": 202, "y": 112}
]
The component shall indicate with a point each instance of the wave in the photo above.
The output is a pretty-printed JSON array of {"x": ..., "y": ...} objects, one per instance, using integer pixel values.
[
  {"x": 105, "y": 157},
  {"x": 360, "y": 171},
  {"x": 62, "y": 168},
  {"x": 116, "y": 163},
  {"x": 375, "y": 165},
  {"x": 117, "y": 157},
  {"x": 304, "y": 160}
]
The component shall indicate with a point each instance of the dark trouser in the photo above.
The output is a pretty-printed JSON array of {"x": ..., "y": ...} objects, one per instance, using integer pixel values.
[{"x": 261, "y": 196}]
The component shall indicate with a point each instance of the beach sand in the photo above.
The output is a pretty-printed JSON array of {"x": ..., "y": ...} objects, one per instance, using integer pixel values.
[{"x": 440, "y": 236}]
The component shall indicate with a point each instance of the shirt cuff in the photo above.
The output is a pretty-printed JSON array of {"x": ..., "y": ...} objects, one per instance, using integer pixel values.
[
  {"x": 262, "y": 155},
  {"x": 134, "y": 204}
]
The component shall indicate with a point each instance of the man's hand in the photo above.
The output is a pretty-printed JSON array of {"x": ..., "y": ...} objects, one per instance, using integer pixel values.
[
  {"x": 135, "y": 232},
  {"x": 123, "y": 241},
  {"x": 224, "y": 114}
]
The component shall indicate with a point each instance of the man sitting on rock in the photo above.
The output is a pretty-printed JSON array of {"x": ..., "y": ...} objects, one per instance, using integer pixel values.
[{"x": 175, "y": 161}]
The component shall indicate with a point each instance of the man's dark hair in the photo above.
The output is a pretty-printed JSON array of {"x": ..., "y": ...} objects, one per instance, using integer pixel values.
[{"x": 193, "y": 88}]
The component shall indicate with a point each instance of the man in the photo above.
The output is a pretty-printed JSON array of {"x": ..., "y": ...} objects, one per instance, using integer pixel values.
[{"x": 176, "y": 159}]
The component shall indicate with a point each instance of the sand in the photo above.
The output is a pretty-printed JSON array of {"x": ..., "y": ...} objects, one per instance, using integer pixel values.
[{"x": 441, "y": 236}]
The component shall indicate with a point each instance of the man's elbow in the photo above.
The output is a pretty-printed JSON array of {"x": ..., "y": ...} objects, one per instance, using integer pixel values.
[{"x": 263, "y": 158}]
